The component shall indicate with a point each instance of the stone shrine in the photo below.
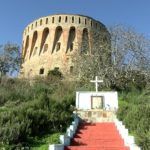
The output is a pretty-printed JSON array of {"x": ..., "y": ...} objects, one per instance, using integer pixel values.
[
  {"x": 96, "y": 105},
  {"x": 95, "y": 125}
]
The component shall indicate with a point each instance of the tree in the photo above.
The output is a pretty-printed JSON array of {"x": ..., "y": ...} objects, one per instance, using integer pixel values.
[
  {"x": 130, "y": 49},
  {"x": 126, "y": 56},
  {"x": 10, "y": 59},
  {"x": 97, "y": 59},
  {"x": 130, "y": 54}
]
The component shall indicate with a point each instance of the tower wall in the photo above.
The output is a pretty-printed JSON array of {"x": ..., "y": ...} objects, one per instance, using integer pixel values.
[{"x": 51, "y": 42}]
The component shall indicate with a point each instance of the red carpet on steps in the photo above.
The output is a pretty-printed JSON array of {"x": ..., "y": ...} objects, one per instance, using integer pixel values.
[{"x": 97, "y": 136}]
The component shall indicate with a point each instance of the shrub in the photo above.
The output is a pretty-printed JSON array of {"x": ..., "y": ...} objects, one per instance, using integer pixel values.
[{"x": 29, "y": 110}]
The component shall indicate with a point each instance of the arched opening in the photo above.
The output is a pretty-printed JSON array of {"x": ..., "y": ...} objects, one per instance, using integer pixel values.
[
  {"x": 52, "y": 19},
  {"x": 71, "y": 38},
  {"x": 41, "y": 22},
  {"x": 26, "y": 46},
  {"x": 85, "y": 41},
  {"x": 32, "y": 26},
  {"x": 36, "y": 24},
  {"x": 91, "y": 23},
  {"x": 34, "y": 39},
  {"x": 41, "y": 71},
  {"x": 85, "y": 21},
  {"x": 57, "y": 43},
  {"x": 72, "y": 19},
  {"x": 46, "y": 20},
  {"x": 66, "y": 19},
  {"x": 96, "y": 25},
  {"x": 79, "y": 20},
  {"x": 59, "y": 19},
  {"x": 44, "y": 37},
  {"x": 71, "y": 69}
]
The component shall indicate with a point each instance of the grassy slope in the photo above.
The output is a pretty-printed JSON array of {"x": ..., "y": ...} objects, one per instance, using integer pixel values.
[
  {"x": 43, "y": 142},
  {"x": 134, "y": 111}
]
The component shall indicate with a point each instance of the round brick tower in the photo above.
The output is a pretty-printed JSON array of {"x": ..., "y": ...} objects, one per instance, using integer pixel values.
[{"x": 51, "y": 42}]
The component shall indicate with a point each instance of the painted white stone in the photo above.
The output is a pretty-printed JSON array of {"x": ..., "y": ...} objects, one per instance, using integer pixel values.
[
  {"x": 70, "y": 133},
  {"x": 65, "y": 140},
  {"x": 131, "y": 140},
  {"x": 56, "y": 147},
  {"x": 134, "y": 147},
  {"x": 128, "y": 140},
  {"x": 83, "y": 100},
  {"x": 75, "y": 125},
  {"x": 73, "y": 128},
  {"x": 76, "y": 120}
]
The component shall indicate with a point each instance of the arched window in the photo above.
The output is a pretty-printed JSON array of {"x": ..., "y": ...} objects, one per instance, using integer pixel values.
[
  {"x": 41, "y": 22},
  {"x": 58, "y": 34},
  {"x": 71, "y": 38},
  {"x": 52, "y": 19},
  {"x": 85, "y": 41},
  {"x": 46, "y": 20},
  {"x": 44, "y": 37},
  {"x": 36, "y": 24},
  {"x": 41, "y": 71},
  {"x": 71, "y": 69},
  {"x": 79, "y": 20},
  {"x": 85, "y": 21},
  {"x": 32, "y": 26},
  {"x": 96, "y": 25},
  {"x": 26, "y": 46},
  {"x": 34, "y": 39},
  {"x": 66, "y": 19},
  {"x": 59, "y": 19},
  {"x": 72, "y": 19},
  {"x": 91, "y": 23}
]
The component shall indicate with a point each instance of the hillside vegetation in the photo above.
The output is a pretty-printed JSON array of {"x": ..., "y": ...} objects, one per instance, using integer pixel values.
[
  {"x": 35, "y": 113},
  {"x": 29, "y": 110},
  {"x": 134, "y": 111}
]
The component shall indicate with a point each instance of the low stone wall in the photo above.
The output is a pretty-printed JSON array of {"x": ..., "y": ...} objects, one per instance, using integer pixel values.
[{"x": 96, "y": 115}]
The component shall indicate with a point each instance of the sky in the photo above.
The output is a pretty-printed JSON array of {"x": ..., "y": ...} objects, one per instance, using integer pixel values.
[{"x": 15, "y": 15}]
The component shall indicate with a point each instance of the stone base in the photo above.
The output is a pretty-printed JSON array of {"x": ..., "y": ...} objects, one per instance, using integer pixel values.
[{"x": 96, "y": 115}]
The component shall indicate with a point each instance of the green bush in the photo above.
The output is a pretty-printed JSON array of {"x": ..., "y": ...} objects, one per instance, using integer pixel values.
[
  {"x": 54, "y": 74},
  {"x": 29, "y": 110},
  {"x": 134, "y": 111}
]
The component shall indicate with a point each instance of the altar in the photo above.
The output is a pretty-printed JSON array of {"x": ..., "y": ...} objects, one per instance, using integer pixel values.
[
  {"x": 97, "y": 100},
  {"x": 106, "y": 100}
]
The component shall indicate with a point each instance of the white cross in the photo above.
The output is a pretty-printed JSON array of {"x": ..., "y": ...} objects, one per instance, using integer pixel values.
[{"x": 96, "y": 81}]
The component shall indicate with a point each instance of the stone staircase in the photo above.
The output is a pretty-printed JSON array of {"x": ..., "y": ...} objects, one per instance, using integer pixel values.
[
  {"x": 97, "y": 136},
  {"x": 96, "y": 130}
]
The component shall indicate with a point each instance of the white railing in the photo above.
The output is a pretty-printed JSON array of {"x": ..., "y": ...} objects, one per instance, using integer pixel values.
[
  {"x": 128, "y": 140},
  {"x": 66, "y": 139}
]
